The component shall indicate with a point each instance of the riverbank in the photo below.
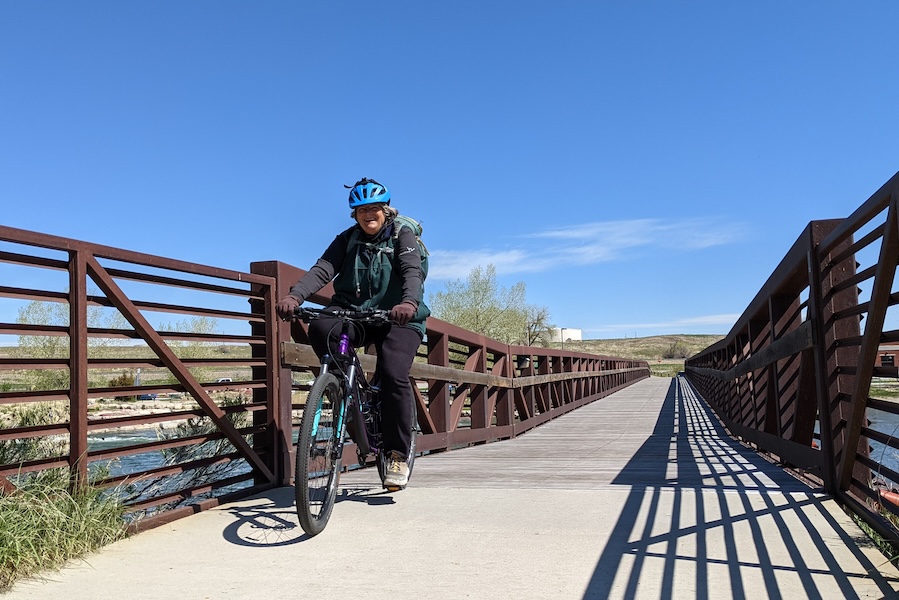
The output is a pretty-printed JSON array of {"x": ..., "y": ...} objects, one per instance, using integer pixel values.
[{"x": 110, "y": 408}]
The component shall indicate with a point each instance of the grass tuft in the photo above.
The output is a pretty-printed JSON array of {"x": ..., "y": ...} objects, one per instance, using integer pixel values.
[{"x": 43, "y": 525}]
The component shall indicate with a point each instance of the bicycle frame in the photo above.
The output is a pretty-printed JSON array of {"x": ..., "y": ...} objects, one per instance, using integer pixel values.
[
  {"x": 356, "y": 387},
  {"x": 355, "y": 409}
]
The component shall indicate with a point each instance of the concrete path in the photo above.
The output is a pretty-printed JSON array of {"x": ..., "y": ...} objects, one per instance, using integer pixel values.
[{"x": 638, "y": 495}]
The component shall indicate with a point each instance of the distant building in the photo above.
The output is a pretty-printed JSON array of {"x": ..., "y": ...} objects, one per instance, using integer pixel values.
[
  {"x": 886, "y": 356},
  {"x": 566, "y": 334}
]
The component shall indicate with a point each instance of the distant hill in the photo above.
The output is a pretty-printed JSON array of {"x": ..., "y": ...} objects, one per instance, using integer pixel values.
[
  {"x": 664, "y": 353},
  {"x": 654, "y": 348}
]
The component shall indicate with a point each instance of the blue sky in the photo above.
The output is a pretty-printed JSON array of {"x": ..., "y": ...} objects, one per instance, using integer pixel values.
[{"x": 641, "y": 166}]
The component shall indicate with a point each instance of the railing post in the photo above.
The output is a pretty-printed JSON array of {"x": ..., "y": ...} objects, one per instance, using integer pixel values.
[
  {"x": 544, "y": 391},
  {"x": 828, "y": 358},
  {"x": 880, "y": 298},
  {"x": 78, "y": 356},
  {"x": 438, "y": 390},
  {"x": 525, "y": 397},
  {"x": 783, "y": 311},
  {"x": 737, "y": 388},
  {"x": 505, "y": 411},
  {"x": 278, "y": 393},
  {"x": 477, "y": 362},
  {"x": 760, "y": 381}
]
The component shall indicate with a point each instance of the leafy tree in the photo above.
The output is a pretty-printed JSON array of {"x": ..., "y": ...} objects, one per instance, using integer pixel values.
[
  {"x": 32, "y": 448},
  {"x": 43, "y": 346},
  {"x": 193, "y": 348},
  {"x": 56, "y": 314},
  {"x": 480, "y": 305},
  {"x": 57, "y": 346},
  {"x": 539, "y": 328}
]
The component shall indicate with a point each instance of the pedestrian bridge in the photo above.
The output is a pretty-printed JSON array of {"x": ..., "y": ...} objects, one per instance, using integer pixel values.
[
  {"x": 546, "y": 471},
  {"x": 639, "y": 495}
]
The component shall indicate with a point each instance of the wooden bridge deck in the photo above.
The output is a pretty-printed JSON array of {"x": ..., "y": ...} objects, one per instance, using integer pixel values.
[{"x": 638, "y": 495}]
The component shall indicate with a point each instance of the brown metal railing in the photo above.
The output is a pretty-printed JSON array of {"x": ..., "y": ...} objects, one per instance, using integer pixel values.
[
  {"x": 471, "y": 389},
  {"x": 237, "y": 410},
  {"x": 797, "y": 376},
  {"x": 231, "y": 433}
]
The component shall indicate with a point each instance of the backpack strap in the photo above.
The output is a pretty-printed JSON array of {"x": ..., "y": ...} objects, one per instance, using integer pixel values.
[
  {"x": 401, "y": 221},
  {"x": 356, "y": 244}
]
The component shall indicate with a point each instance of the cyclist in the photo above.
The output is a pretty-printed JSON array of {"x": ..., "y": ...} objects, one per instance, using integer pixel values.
[{"x": 374, "y": 266}]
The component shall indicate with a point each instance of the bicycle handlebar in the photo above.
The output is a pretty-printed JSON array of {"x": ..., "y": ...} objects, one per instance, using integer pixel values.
[{"x": 370, "y": 315}]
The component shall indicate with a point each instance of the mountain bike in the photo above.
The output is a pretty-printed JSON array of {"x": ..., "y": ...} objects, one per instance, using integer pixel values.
[{"x": 341, "y": 401}]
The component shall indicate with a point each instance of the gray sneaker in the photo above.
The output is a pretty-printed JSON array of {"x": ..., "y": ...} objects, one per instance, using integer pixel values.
[{"x": 397, "y": 472}]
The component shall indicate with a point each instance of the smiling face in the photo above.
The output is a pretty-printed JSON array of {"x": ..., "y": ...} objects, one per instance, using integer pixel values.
[{"x": 371, "y": 217}]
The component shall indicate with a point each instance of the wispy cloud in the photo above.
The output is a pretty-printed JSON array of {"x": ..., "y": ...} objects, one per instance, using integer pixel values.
[
  {"x": 451, "y": 264},
  {"x": 694, "y": 234},
  {"x": 586, "y": 244}
]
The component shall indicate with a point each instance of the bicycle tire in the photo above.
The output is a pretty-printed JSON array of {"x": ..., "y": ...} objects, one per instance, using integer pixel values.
[{"x": 318, "y": 459}]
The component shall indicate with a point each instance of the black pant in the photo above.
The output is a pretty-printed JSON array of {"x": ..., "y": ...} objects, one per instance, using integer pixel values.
[{"x": 396, "y": 347}]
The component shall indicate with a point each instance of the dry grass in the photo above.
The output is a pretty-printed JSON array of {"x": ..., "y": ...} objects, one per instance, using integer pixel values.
[
  {"x": 651, "y": 348},
  {"x": 44, "y": 526},
  {"x": 29, "y": 379},
  {"x": 656, "y": 350}
]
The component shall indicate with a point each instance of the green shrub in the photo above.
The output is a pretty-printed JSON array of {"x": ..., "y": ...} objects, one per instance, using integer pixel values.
[
  {"x": 665, "y": 369},
  {"x": 126, "y": 379},
  {"x": 42, "y": 525},
  {"x": 676, "y": 350}
]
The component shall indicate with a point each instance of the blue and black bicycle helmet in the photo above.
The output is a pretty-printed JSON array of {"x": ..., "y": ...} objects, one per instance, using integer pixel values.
[{"x": 368, "y": 191}]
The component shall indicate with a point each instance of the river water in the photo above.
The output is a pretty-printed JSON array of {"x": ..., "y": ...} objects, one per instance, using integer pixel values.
[
  {"x": 137, "y": 463},
  {"x": 127, "y": 465}
]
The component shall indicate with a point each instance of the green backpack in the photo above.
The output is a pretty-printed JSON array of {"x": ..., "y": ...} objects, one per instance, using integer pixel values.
[{"x": 401, "y": 221}]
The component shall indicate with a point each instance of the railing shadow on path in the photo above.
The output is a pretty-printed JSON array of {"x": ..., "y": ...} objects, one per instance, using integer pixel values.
[{"x": 701, "y": 502}]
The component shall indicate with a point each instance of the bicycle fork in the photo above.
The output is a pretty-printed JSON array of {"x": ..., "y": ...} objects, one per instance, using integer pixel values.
[
  {"x": 318, "y": 409},
  {"x": 338, "y": 420}
]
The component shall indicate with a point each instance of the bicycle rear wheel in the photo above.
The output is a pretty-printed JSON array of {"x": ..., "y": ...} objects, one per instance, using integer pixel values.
[{"x": 318, "y": 454}]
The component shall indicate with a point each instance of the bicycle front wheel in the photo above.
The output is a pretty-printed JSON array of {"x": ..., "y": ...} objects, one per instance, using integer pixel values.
[{"x": 318, "y": 454}]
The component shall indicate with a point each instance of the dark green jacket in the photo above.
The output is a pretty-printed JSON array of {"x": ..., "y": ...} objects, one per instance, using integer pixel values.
[{"x": 370, "y": 272}]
